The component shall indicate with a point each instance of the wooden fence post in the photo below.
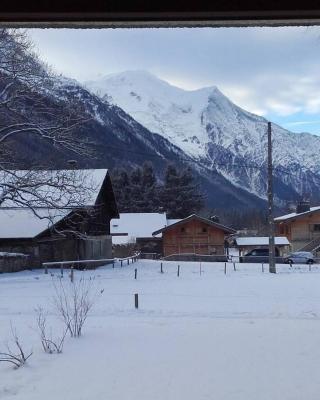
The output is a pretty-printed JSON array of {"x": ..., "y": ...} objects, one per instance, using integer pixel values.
[
  {"x": 45, "y": 268},
  {"x": 121, "y": 263},
  {"x": 262, "y": 267},
  {"x": 178, "y": 272},
  {"x": 136, "y": 300},
  {"x": 135, "y": 273},
  {"x": 161, "y": 269},
  {"x": 200, "y": 268},
  {"x": 71, "y": 273},
  {"x": 61, "y": 269},
  {"x": 128, "y": 261},
  {"x": 225, "y": 268},
  {"x": 234, "y": 266}
]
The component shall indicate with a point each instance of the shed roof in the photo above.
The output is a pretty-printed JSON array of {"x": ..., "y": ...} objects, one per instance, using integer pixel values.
[
  {"x": 135, "y": 225},
  {"x": 23, "y": 223},
  {"x": 90, "y": 178},
  {"x": 195, "y": 217},
  {"x": 297, "y": 215},
  {"x": 261, "y": 241}
]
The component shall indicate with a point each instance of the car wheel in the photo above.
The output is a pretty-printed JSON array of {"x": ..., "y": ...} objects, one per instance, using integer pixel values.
[{"x": 310, "y": 262}]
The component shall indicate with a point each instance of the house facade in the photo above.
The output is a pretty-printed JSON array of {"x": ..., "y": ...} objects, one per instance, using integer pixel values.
[
  {"x": 63, "y": 234},
  {"x": 302, "y": 227},
  {"x": 194, "y": 235}
]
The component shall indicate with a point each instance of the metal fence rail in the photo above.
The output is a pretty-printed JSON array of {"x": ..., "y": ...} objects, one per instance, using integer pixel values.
[{"x": 73, "y": 263}]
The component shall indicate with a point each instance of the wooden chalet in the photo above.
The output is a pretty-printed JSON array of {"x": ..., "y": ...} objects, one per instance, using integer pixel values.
[
  {"x": 63, "y": 234},
  {"x": 194, "y": 235},
  {"x": 302, "y": 227}
]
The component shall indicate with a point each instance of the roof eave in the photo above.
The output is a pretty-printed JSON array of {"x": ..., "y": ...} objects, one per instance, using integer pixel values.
[{"x": 194, "y": 216}]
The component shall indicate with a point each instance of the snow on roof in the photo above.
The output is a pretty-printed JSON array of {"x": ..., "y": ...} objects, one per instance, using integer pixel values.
[
  {"x": 90, "y": 179},
  {"x": 172, "y": 221},
  {"x": 23, "y": 223},
  {"x": 136, "y": 225},
  {"x": 293, "y": 215},
  {"x": 261, "y": 241}
]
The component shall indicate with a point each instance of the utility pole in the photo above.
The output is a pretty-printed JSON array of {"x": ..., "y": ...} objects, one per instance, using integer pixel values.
[{"x": 272, "y": 263}]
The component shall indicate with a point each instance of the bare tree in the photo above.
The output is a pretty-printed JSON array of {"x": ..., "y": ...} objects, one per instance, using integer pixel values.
[
  {"x": 30, "y": 104},
  {"x": 27, "y": 97},
  {"x": 17, "y": 357},
  {"x": 50, "y": 345},
  {"x": 73, "y": 303}
]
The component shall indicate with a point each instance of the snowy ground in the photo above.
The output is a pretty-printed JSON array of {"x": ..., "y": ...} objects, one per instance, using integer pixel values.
[{"x": 241, "y": 336}]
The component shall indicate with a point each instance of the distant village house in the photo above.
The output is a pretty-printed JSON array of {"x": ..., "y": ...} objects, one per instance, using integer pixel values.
[
  {"x": 302, "y": 227},
  {"x": 194, "y": 235}
]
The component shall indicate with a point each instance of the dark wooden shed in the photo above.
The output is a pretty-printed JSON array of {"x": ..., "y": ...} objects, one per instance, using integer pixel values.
[{"x": 72, "y": 234}]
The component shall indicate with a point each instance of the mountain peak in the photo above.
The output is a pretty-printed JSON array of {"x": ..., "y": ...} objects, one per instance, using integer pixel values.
[
  {"x": 142, "y": 77},
  {"x": 179, "y": 115}
]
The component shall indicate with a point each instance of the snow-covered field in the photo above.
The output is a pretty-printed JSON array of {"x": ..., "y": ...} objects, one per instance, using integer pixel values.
[{"x": 241, "y": 336}]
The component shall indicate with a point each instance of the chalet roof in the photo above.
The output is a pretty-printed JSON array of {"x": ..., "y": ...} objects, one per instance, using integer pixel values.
[
  {"x": 296, "y": 215},
  {"x": 197, "y": 217},
  {"x": 173, "y": 221},
  {"x": 91, "y": 178},
  {"x": 22, "y": 223},
  {"x": 261, "y": 241}
]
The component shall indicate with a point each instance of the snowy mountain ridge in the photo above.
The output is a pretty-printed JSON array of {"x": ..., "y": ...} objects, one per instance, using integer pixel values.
[{"x": 211, "y": 129}]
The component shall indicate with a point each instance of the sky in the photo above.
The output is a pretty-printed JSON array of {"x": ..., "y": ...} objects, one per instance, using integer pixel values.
[{"x": 273, "y": 72}]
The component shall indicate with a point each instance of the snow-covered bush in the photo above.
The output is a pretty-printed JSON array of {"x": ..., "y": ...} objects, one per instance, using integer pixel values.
[
  {"x": 73, "y": 302},
  {"x": 16, "y": 356},
  {"x": 50, "y": 345}
]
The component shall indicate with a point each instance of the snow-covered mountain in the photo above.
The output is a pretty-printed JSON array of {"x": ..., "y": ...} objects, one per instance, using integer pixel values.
[{"x": 218, "y": 134}]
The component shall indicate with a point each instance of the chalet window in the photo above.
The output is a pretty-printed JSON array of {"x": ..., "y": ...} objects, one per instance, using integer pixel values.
[
  {"x": 316, "y": 227},
  {"x": 204, "y": 230},
  {"x": 182, "y": 230}
]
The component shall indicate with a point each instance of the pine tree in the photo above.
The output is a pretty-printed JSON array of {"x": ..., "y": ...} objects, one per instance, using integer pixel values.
[
  {"x": 122, "y": 189},
  {"x": 180, "y": 195},
  {"x": 139, "y": 191},
  {"x": 149, "y": 189},
  {"x": 136, "y": 199},
  {"x": 192, "y": 199}
]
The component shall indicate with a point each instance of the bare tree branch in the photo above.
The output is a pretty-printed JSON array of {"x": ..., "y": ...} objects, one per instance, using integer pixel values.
[
  {"x": 49, "y": 344},
  {"x": 30, "y": 105},
  {"x": 16, "y": 357},
  {"x": 73, "y": 304}
]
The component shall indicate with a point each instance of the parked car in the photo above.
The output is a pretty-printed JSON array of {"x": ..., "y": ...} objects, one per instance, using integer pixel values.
[
  {"x": 259, "y": 256},
  {"x": 300, "y": 257}
]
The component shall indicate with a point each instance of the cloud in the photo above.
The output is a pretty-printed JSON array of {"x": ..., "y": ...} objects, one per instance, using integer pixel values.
[{"x": 297, "y": 123}]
